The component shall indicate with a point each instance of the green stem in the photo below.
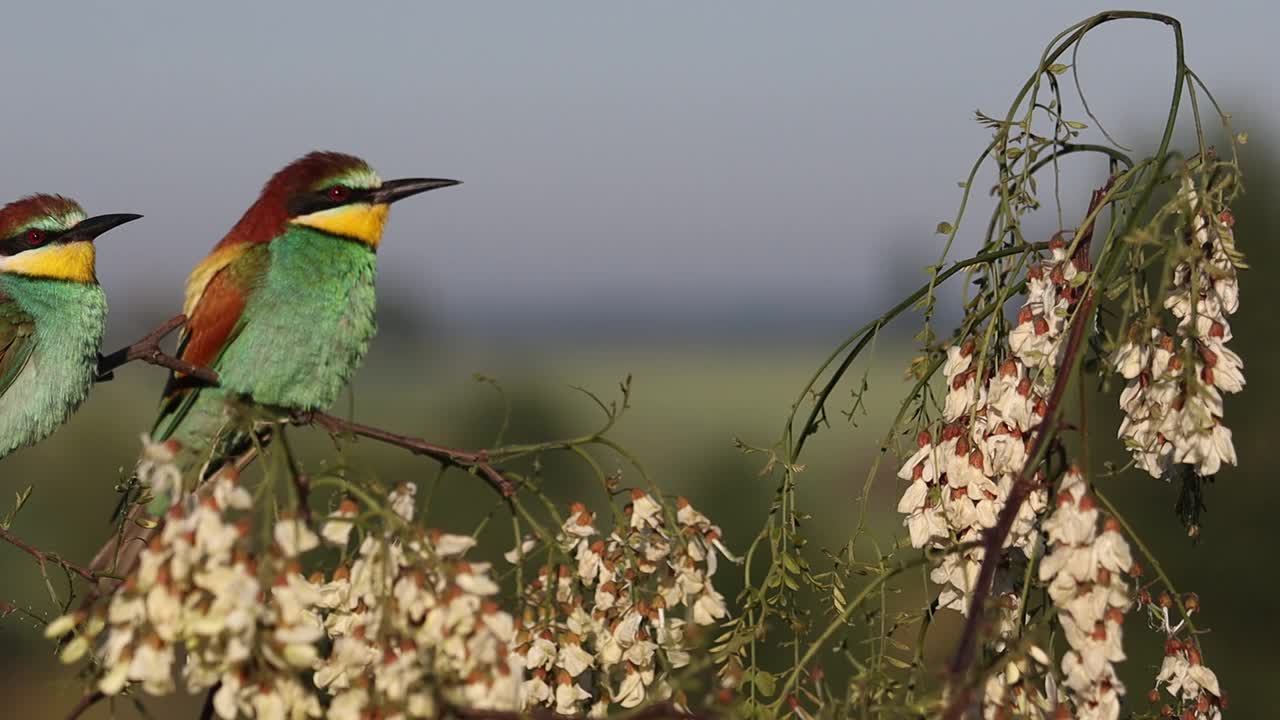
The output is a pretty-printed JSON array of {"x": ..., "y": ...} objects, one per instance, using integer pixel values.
[{"x": 861, "y": 338}]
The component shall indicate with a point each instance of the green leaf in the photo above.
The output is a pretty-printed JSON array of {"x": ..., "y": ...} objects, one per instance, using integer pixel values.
[
  {"x": 1058, "y": 68},
  {"x": 897, "y": 663},
  {"x": 789, "y": 562},
  {"x": 19, "y": 499},
  {"x": 765, "y": 682},
  {"x": 1076, "y": 125}
]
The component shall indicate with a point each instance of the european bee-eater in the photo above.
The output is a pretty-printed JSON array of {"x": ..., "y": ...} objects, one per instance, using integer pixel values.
[
  {"x": 52, "y": 314},
  {"x": 283, "y": 308}
]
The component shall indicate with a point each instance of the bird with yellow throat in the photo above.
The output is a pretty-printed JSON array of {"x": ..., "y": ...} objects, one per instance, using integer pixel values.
[
  {"x": 283, "y": 307},
  {"x": 52, "y": 314}
]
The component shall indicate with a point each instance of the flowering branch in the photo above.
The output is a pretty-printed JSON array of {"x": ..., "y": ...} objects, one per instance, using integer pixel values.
[{"x": 1025, "y": 483}]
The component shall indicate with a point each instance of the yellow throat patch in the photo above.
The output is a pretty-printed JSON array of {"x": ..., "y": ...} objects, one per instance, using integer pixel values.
[
  {"x": 361, "y": 221},
  {"x": 61, "y": 261}
]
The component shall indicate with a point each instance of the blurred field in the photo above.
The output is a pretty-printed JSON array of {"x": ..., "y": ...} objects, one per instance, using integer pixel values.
[{"x": 689, "y": 402}]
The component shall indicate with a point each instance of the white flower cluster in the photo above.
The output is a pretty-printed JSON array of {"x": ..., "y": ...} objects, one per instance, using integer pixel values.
[
  {"x": 410, "y": 619},
  {"x": 1014, "y": 692},
  {"x": 1190, "y": 682},
  {"x": 1173, "y": 400},
  {"x": 243, "y": 625},
  {"x": 593, "y": 625},
  {"x": 407, "y": 623},
  {"x": 961, "y": 479},
  {"x": 1085, "y": 570}
]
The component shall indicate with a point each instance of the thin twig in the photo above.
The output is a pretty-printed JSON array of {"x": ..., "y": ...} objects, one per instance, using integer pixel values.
[
  {"x": 43, "y": 557},
  {"x": 206, "y": 712},
  {"x": 148, "y": 350},
  {"x": 478, "y": 459},
  {"x": 86, "y": 702}
]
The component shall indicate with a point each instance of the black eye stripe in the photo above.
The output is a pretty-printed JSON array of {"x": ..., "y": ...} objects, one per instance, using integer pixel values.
[
  {"x": 17, "y": 243},
  {"x": 317, "y": 200}
]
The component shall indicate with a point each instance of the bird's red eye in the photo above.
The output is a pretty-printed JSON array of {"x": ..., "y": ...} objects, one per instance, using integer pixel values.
[
  {"x": 338, "y": 193},
  {"x": 35, "y": 237}
]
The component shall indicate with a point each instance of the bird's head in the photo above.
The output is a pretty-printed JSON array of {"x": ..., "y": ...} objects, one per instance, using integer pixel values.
[
  {"x": 49, "y": 236},
  {"x": 339, "y": 195}
]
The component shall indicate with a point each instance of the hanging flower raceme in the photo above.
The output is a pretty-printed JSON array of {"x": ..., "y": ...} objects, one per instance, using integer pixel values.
[
  {"x": 1015, "y": 692},
  {"x": 407, "y": 623},
  {"x": 1192, "y": 685},
  {"x": 410, "y": 621},
  {"x": 1085, "y": 570},
  {"x": 245, "y": 624},
  {"x": 595, "y": 624},
  {"x": 1173, "y": 400},
  {"x": 962, "y": 473}
]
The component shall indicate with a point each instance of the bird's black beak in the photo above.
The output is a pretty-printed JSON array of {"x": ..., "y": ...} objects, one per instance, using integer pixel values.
[
  {"x": 90, "y": 228},
  {"x": 393, "y": 190}
]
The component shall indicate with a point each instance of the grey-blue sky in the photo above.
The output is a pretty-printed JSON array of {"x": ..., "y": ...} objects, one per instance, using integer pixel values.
[{"x": 684, "y": 157}]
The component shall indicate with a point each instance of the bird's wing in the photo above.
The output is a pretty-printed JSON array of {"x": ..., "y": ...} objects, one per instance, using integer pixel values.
[
  {"x": 17, "y": 340},
  {"x": 217, "y": 292}
]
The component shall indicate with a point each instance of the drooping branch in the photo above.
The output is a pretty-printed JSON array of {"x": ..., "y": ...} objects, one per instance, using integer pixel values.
[
  {"x": 44, "y": 558},
  {"x": 1025, "y": 482},
  {"x": 148, "y": 350}
]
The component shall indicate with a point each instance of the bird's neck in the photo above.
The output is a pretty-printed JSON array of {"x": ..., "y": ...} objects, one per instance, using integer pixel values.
[
  {"x": 315, "y": 254},
  {"x": 61, "y": 308}
]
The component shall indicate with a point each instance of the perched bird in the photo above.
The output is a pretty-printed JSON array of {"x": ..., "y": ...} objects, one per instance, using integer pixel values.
[
  {"x": 52, "y": 314},
  {"x": 283, "y": 308}
]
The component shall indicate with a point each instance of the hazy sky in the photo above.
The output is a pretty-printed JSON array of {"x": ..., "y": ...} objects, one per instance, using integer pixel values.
[{"x": 666, "y": 157}]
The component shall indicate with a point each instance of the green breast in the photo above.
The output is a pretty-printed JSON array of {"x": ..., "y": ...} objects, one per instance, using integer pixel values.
[
  {"x": 69, "y": 322},
  {"x": 307, "y": 326}
]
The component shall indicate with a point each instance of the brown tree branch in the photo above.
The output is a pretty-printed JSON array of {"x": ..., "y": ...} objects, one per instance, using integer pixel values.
[
  {"x": 465, "y": 459},
  {"x": 657, "y": 711},
  {"x": 993, "y": 538},
  {"x": 44, "y": 558},
  {"x": 148, "y": 350},
  {"x": 89, "y": 700}
]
